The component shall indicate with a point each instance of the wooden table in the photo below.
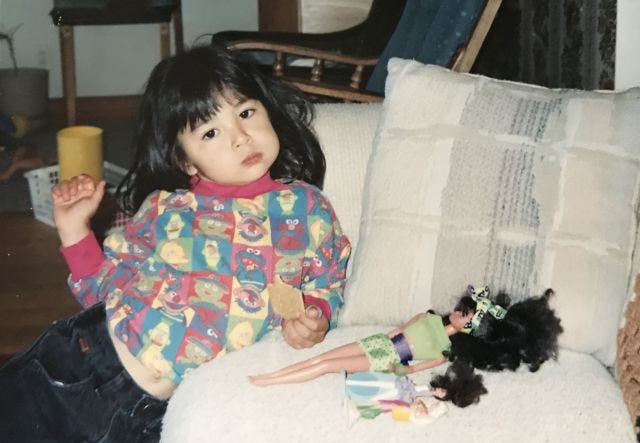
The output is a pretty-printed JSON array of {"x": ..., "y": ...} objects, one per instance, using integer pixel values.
[{"x": 33, "y": 288}]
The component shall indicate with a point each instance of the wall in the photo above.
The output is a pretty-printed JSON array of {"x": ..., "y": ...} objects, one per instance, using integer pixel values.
[
  {"x": 628, "y": 44},
  {"x": 332, "y": 15},
  {"x": 115, "y": 60},
  {"x": 110, "y": 60}
]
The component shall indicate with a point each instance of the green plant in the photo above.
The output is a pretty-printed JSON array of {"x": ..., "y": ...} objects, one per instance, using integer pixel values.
[{"x": 8, "y": 36}]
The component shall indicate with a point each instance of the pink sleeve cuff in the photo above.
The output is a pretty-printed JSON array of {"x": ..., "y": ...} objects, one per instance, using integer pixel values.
[
  {"x": 83, "y": 258},
  {"x": 320, "y": 304}
]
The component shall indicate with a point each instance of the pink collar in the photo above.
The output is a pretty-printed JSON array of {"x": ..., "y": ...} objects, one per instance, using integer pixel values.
[{"x": 261, "y": 186}]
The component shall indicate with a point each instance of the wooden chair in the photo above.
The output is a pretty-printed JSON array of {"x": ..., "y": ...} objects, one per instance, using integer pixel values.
[
  {"x": 444, "y": 32},
  {"x": 69, "y": 13}
]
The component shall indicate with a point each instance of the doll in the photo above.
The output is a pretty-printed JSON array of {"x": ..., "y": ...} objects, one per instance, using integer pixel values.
[
  {"x": 501, "y": 339},
  {"x": 528, "y": 333},
  {"x": 370, "y": 394}
]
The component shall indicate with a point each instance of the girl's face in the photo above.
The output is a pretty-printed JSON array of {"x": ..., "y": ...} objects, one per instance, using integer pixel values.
[{"x": 236, "y": 146}]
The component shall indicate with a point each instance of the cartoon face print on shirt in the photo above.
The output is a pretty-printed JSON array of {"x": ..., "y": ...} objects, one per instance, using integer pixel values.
[
  {"x": 176, "y": 253},
  {"x": 177, "y": 201},
  {"x": 151, "y": 354},
  {"x": 148, "y": 283},
  {"x": 240, "y": 335},
  {"x": 172, "y": 301},
  {"x": 174, "y": 226},
  {"x": 214, "y": 225},
  {"x": 210, "y": 291},
  {"x": 250, "y": 268},
  {"x": 318, "y": 230},
  {"x": 196, "y": 352},
  {"x": 317, "y": 266},
  {"x": 251, "y": 226},
  {"x": 211, "y": 254},
  {"x": 291, "y": 236},
  {"x": 216, "y": 203},
  {"x": 289, "y": 270},
  {"x": 248, "y": 298},
  {"x": 287, "y": 200}
]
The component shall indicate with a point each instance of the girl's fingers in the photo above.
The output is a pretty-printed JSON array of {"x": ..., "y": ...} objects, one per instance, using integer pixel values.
[{"x": 67, "y": 190}]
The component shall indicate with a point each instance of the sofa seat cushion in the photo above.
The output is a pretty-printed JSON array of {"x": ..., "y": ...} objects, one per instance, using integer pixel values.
[
  {"x": 478, "y": 181},
  {"x": 571, "y": 399}
]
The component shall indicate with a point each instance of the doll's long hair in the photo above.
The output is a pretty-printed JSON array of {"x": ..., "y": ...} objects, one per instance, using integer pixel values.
[
  {"x": 528, "y": 334},
  {"x": 463, "y": 386}
]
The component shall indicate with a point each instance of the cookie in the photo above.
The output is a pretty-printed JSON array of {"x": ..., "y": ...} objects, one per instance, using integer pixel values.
[{"x": 285, "y": 300}]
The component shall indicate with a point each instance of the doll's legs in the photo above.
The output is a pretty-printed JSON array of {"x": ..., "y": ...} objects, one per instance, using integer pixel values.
[
  {"x": 344, "y": 351},
  {"x": 357, "y": 363}
]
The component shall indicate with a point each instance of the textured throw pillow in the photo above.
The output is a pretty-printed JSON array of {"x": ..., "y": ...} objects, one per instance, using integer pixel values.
[
  {"x": 346, "y": 153},
  {"x": 475, "y": 180}
]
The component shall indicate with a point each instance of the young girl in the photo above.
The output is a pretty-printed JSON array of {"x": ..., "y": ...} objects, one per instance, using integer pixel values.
[
  {"x": 224, "y": 197},
  {"x": 526, "y": 332}
]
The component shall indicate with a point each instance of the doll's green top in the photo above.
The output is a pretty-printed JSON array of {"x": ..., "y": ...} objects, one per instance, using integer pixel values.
[{"x": 427, "y": 337}]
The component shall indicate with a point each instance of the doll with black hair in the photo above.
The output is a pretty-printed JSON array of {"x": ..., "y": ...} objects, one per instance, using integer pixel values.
[
  {"x": 459, "y": 384},
  {"x": 408, "y": 401},
  {"x": 527, "y": 333},
  {"x": 499, "y": 339}
]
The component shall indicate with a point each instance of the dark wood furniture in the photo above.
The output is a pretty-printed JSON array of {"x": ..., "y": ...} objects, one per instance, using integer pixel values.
[
  {"x": 361, "y": 44},
  {"x": 354, "y": 51},
  {"x": 115, "y": 12}
]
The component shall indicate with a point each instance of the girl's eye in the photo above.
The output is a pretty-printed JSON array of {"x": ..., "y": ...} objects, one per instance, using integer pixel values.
[
  {"x": 247, "y": 113},
  {"x": 210, "y": 134}
]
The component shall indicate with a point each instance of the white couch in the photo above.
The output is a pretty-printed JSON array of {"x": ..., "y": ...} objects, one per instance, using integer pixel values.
[{"x": 460, "y": 179}]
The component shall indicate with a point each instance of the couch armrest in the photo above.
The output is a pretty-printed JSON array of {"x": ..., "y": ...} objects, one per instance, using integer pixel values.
[{"x": 628, "y": 357}]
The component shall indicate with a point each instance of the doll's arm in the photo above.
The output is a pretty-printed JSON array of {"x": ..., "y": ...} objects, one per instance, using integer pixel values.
[
  {"x": 417, "y": 367},
  {"x": 396, "y": 331}
]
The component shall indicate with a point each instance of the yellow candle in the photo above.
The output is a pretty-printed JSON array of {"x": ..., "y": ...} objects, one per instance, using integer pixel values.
[{"x": 80, "y": 152}]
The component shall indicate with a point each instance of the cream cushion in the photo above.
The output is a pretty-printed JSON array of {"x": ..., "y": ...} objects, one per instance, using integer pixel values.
[
  {"x": 481, "y": 181},
  {"x": 573, "y": 399},
  {"x": 346, "y": 153}
]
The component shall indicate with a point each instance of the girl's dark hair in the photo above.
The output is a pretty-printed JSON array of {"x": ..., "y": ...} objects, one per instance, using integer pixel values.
[
  {"x": 528, "y": 334},
  {"x": 185, "y": 89},
  {"x": 463, "y": 387}
]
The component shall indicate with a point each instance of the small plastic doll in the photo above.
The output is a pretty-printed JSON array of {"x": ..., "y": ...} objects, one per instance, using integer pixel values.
[
  {"x": 501, "y": 340},
  {"x": 369, "y": 394}
]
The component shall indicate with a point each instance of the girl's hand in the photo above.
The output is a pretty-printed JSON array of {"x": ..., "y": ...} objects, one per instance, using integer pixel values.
[
  {"x": 75, "y": 201},
  {"x": 307, "y": 330}
]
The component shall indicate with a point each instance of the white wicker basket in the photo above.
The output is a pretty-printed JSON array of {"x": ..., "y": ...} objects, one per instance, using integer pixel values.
[{"x": 40, "y": 183}]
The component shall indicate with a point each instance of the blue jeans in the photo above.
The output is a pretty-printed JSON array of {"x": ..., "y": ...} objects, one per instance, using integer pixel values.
[{"x": 71, "y": 387}]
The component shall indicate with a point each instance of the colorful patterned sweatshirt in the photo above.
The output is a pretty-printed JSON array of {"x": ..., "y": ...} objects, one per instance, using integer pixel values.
[{"x": 185, "y": 280}]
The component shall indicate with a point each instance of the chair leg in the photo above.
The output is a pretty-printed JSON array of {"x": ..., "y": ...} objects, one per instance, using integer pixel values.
[
  {"x": 67, "y": 55},
  {"x": 177, "y": 28},
  {"x": 165, "y": 40}
]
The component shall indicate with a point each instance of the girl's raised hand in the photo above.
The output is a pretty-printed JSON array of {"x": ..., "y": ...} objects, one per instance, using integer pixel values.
[{"x": 75, "y": 201}]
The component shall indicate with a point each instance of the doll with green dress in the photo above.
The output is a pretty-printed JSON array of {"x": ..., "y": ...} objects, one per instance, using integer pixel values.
[{"x": 480, "y": 331}]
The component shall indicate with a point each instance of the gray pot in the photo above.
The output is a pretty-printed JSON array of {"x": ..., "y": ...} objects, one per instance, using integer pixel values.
[{"x": 25, "y": 92}]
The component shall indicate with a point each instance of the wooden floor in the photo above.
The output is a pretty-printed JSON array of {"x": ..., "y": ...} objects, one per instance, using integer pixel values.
[{"x": 33, "y": 288}]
